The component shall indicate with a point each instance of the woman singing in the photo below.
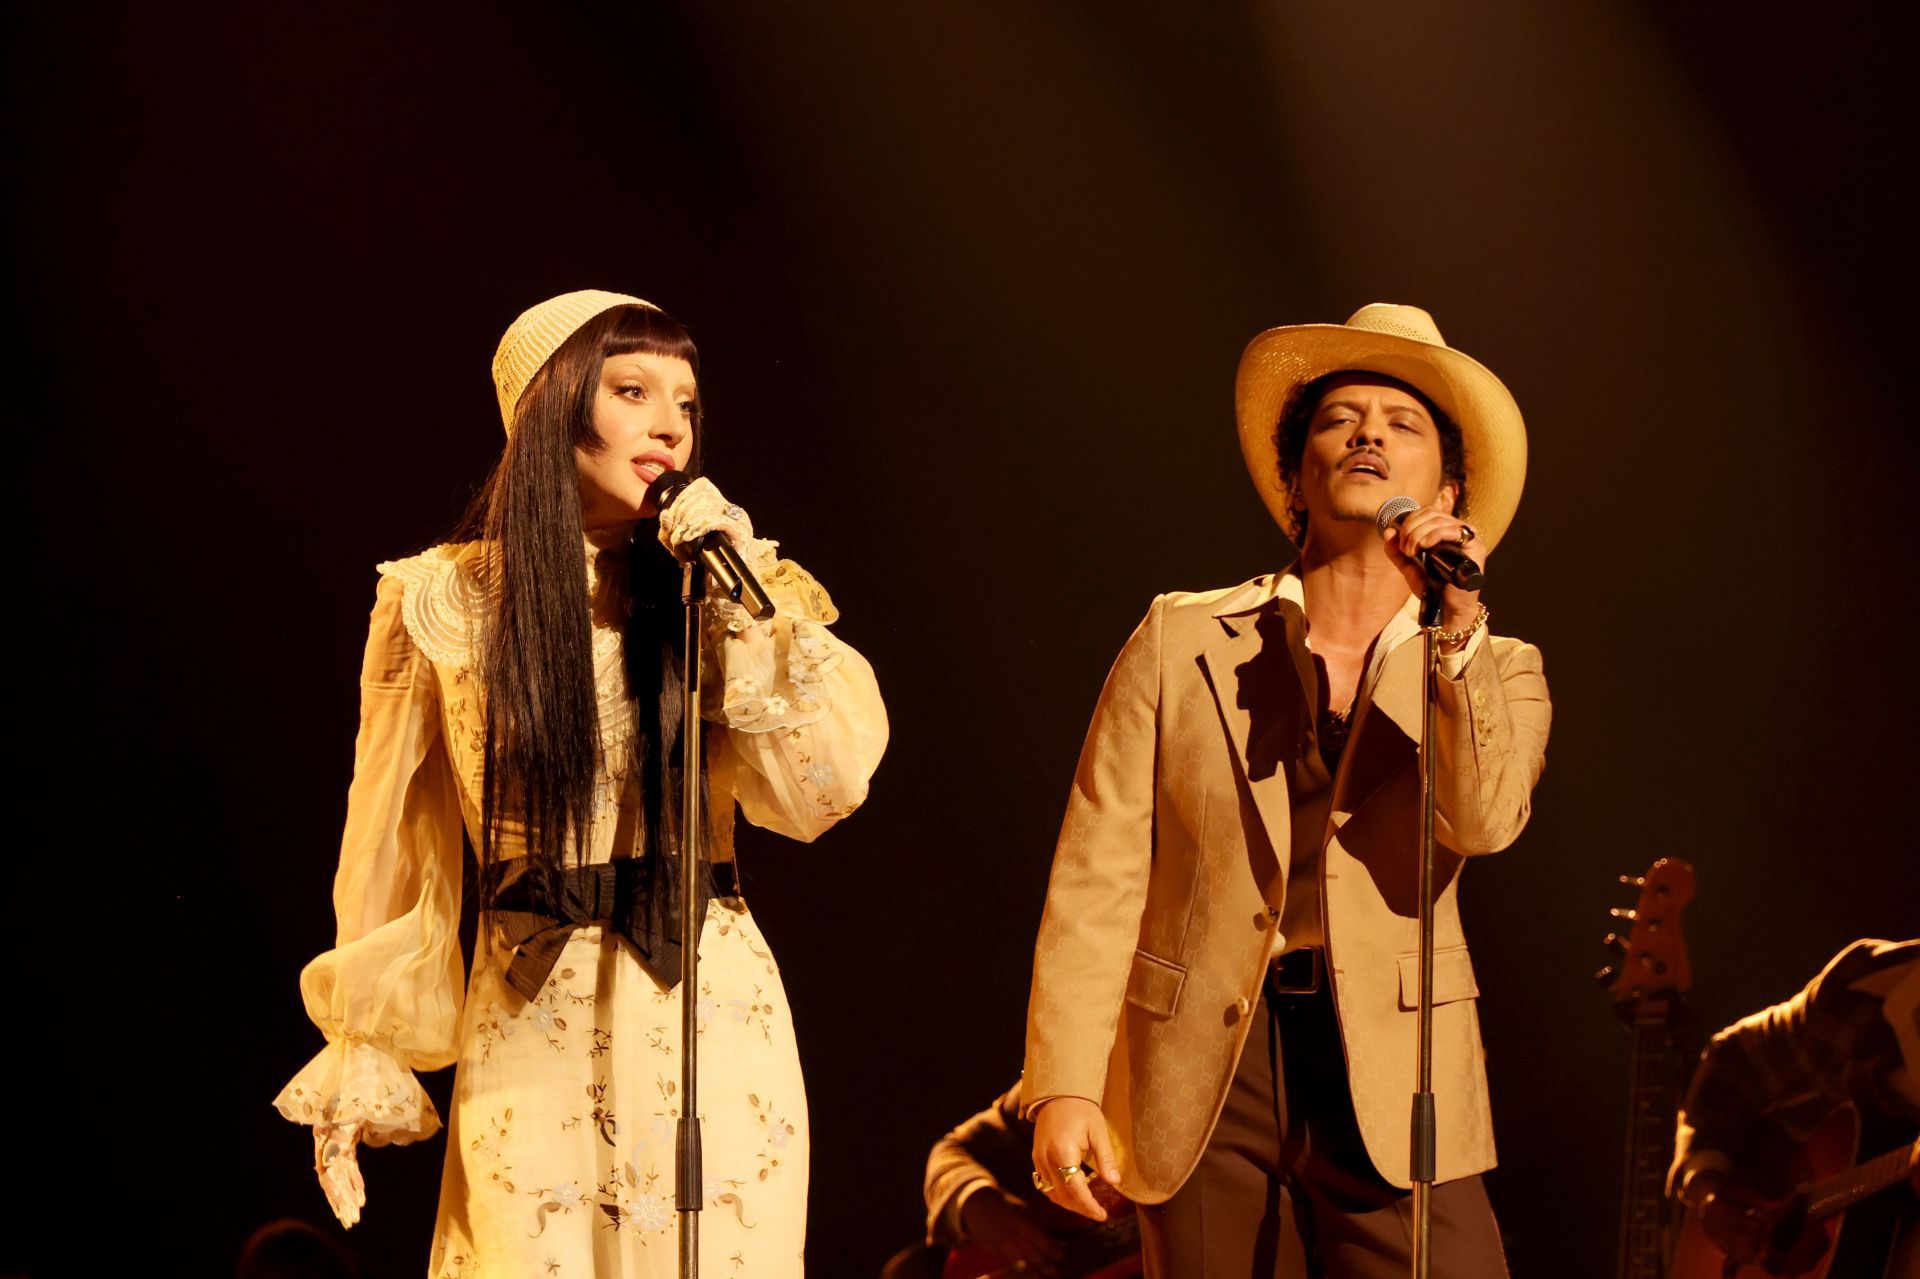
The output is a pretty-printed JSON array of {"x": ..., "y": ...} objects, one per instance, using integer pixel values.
[{"x": 522, "y": 683}]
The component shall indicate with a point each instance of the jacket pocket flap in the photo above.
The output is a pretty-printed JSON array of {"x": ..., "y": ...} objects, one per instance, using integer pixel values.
[
  {"x": 1452, "y": 977},
  {"x": 1154, "y": 984}
]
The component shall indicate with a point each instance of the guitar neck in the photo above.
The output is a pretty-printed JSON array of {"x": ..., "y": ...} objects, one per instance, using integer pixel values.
[
  {"x": 1653, "y": 1102},
  {"x": 1843, "y": 1190},
  {"x": 1646, "y": 985}
]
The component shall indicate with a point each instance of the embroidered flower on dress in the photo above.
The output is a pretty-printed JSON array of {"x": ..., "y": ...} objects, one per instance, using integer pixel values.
[
  {"x": 563, "y": 1198},
  {"x": 651, "y": 1212}
]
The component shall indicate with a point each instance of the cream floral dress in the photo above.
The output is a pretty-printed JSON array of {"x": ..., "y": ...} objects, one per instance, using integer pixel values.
[{"x": 560, "y": 1145}]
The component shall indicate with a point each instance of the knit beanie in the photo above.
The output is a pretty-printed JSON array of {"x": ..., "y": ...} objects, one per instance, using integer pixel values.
[{"x": 531, "y": 340}]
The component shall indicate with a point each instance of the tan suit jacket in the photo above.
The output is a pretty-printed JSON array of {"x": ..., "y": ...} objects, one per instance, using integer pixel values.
[{"x": 1171, "y": 874}]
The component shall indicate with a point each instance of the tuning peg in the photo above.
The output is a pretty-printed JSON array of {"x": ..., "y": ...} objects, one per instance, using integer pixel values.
[
  {"x": 1605, "y": 975},
  {"x": 1624, "y": 912},
  {"x": 1615, "y": 943},
  {"x": 1634, "y": 881}
]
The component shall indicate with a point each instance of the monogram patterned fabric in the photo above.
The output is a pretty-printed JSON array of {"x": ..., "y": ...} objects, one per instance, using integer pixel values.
[{"x": 1171, "y": 875}]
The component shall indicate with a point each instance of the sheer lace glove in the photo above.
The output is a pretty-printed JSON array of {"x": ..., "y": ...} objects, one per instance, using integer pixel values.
[
  {"x": 699, "y": 510},
  {"x": 336, "y": 1160}
]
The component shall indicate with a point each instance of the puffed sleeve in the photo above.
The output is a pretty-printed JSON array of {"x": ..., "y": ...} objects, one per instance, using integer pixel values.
[
  {"x": 805, "y": 726},
  {"x": 388, "y": 995}
]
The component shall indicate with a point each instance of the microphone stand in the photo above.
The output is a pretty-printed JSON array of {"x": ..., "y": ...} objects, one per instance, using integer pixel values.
[
  {"x": 1424, "y": 1138},
  {"x": 688, "y": 1174}
]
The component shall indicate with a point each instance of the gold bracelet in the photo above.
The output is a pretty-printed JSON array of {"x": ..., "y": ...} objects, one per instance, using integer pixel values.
[{"x": 1462, "y": 636}]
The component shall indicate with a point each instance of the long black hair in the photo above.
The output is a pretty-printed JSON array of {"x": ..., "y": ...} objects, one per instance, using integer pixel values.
[{"x": 542, "y": 750}]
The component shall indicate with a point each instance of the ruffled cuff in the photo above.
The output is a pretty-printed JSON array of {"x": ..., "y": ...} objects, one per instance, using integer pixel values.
[
  {"x": 353, "y": 1082},
  {"x": 774, "y": 673}
]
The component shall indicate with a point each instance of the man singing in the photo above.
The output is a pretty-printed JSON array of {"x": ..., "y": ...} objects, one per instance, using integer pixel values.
[{"x": 1223, "y": 1014}]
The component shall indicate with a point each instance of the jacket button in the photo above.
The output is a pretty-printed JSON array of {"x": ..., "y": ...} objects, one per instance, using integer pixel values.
[
  {"x": 1242, "y": 1006},
  {"x": 1263, "y": 921}
]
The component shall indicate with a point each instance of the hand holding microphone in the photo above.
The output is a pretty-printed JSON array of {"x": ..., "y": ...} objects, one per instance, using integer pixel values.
[
  {"x": 1430, "y": 546},
  {"x": 696, "y": 520}
]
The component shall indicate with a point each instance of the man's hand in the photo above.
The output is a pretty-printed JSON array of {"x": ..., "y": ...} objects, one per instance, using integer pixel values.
[
  {"x": 1004, "y": 1228},
  {"x": 1068, "y": 1134},
  {"x": 1738, "y": 1219},
  {"x": 1429, "y": 527},
  {"x": 339, "y": 1168}
]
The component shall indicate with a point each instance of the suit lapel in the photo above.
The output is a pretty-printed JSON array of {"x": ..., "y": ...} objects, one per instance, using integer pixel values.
[
  {"x": 1387, "y": 735},
  {"x": 1256, "y": 686}
]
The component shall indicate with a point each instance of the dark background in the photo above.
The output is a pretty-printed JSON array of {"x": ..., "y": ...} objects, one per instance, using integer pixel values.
[{"x": 969, "y": 282}]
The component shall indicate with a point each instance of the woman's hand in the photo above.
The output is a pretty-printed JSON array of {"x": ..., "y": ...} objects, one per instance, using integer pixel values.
[
  {"x": 1426, "y": 528},
  {"x": 1068, "y": 1134},
  {"x": 334, "y": 1158},
  {"x": 698, "y": 511}
]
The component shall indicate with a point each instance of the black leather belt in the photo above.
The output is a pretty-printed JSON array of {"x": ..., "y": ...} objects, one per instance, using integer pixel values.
[{"x": 1298, "y": 972}]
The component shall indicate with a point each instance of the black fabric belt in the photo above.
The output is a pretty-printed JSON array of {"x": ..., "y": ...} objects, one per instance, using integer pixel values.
[
  {"x": 1298, "y": 972},
  {"x": 535, "y": 914}
]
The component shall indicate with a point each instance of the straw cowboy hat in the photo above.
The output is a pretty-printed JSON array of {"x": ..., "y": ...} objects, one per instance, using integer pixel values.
[{"x": 1404, "y": 343}]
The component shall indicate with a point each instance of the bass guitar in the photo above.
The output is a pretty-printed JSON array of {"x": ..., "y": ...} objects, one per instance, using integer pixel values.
[{"x": 1646, "y": 980}]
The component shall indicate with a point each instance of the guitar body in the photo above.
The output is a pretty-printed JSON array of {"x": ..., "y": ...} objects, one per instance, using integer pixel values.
[
  {"x": 1828, "y": 1153},
  {"x": 973, "y": 1263},
  {"x": 1093, "y": 1250}
]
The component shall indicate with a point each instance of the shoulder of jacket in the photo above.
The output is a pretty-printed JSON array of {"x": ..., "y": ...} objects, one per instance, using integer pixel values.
[
  {"x": 1510, "y": 650},
  {"x": 1207, "y": 603},
  {"x": 442, "y": 601},
  {"x": 1858, "y": 962}
]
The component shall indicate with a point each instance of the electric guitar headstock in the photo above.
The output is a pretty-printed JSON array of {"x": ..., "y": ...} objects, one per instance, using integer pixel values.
[
  {"x": 1649, "y": 973},
  {"x": 1650, "y": 967}
]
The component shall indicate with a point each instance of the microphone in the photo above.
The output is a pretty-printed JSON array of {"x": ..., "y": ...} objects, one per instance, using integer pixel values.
[
  {"x": 1446, "y": 564},
  {"x": 717, "y": 552}
]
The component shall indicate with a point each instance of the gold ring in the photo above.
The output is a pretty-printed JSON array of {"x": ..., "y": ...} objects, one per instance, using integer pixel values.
[
  {"x": 1068, "y": 1174},
  {"x": 1467, "y": 534},
  {"x": 1041, "y": 1183}
]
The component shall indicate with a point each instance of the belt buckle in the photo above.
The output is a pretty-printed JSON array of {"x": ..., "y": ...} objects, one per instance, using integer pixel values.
[{"x": 1289, "y": 983}]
